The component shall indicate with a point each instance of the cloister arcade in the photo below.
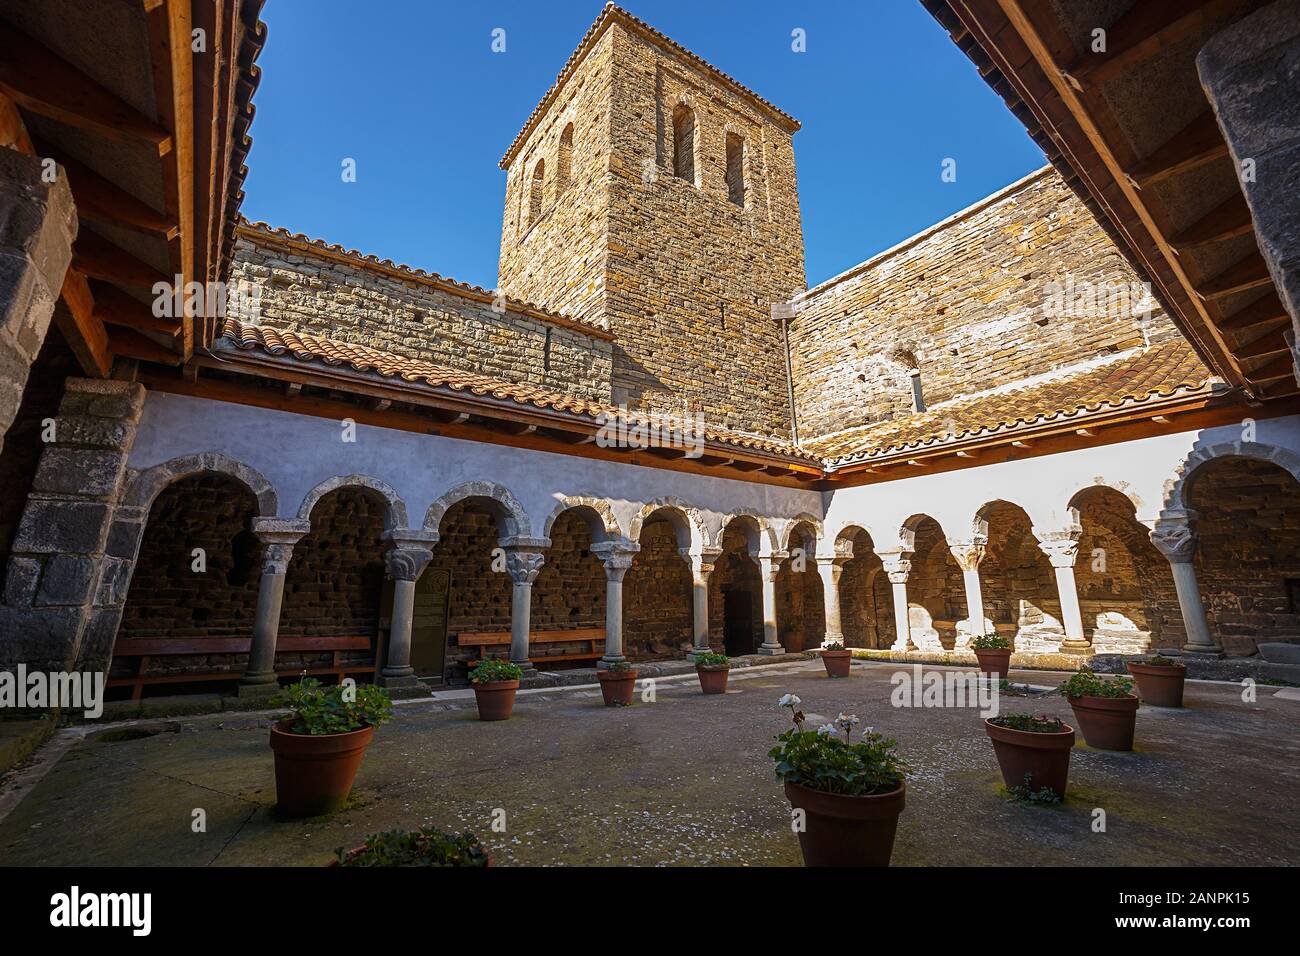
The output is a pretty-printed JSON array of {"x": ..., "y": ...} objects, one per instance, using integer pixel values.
[{"x": 665, "y": 578}]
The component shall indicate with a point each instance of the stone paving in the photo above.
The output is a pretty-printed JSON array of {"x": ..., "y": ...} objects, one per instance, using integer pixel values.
[{"x": 684, "y": 780}]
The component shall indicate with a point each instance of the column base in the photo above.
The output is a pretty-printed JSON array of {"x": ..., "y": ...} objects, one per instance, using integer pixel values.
[
  {"x": 1200, "y": 650},
  {"x": 604, "y": 662},
  {"x": 527, "y": 667},
  {"x": 253, "y": 690},
  {"x": 694, "y": 653},
  {"x": 898, "y": 648},
  {"x": 394, "y": 675},
  {"x": 771, "y": 650},
  {"x": 1081, "y": 648}
]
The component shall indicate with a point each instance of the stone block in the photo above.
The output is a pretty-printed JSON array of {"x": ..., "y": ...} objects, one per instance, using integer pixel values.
[
  {"x": 21, "y": 579},
  {"x": 66, "y": 580},
  {"x": 1279, "y": 653},
  {"x": 90, "y": 432},
  {"x": 89, "y": 473},
  {"x": 51, "y": 526}
]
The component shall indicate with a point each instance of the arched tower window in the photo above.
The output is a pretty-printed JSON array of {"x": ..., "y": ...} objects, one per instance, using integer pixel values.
[
  {"x": 684, "y": 143},
  {"x": 564, "y": 160},
  {"x": 736, "y": 169},
  {"x": 536, "y": 191}
]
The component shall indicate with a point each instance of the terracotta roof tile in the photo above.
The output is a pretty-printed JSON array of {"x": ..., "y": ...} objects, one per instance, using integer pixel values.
[
  {"x": 307, "y": 348},
  {"x": 1161, "y": 371}
]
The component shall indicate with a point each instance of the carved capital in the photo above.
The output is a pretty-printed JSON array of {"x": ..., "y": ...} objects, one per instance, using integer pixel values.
[
  {"x": 406, "y": 564},
  {"x": 1175, "y": 538},
  {"x": 524, "y": 566},
  {"x": 898, "y": 564},
  {"x": 968, "y": 554},
  {"x": 275, "y": 557},
  {"x": 1061, "y": 545}
]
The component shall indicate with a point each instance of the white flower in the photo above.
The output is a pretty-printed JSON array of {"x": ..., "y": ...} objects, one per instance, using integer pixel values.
[
  {"x": 847, "y": 723},
  {"x": 789, "y": 700},
  {"x": 868, "y": 732},
  {"x": 826, "y": 730}
]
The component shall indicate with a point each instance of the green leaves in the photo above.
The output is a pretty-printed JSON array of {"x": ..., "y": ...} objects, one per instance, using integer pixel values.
[
  {"x": 826, "y": 763},
  {"x": 1087, "y": 683},
  {"x": 494, "y": 669},
  {"x": 338, "y": 709},
  {"x": 1029, "y": 723},
  {"x": 427, "y": 846},
  {"x": 989, "y": 642},
  {"x": 710, "y": 659}
]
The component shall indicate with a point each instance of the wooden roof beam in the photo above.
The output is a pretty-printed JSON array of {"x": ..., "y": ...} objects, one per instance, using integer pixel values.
[
  {"x": 1248, "y": 273},
  {"x": 1197, "y": 143},
  {"x": 115, "y": 307},
  {"x": 1147, "y": 28},
  {"x": 1270, "y": 343},
  {"x": 100, "y": 201},
  {"x": 132, "y": 344},
  {"x": 98, "y": 258},
  {"x": 38, "y": 80},
  {"x": 81, "y": 328},
  {"x": 1267, "y": 308},
  {"x": 1228, "y": 220},
  {"x": 1282, "y": 367}
]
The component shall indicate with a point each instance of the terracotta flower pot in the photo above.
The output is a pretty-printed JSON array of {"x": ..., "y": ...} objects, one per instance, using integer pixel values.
[
  {"x": 617, "y": 687},
  {"x": 994, "y": 661},
  {"x": 847, "y": 831},
  {"x": 1044, "y": 757},
  {"x": 837, "y": 663},
  {"x": 314, "y": 774},
  {"x": 713, "y": 680},
  {"x": 1159, "y": 686},
  {"x": 1106, "y": 723},
  {"x": 496, "y": 699}
]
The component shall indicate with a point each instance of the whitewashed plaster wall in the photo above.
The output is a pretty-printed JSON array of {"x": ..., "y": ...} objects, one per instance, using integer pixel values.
[
  {"x": 1149, "y": 471},
  {"x": 296, "y": 453}
]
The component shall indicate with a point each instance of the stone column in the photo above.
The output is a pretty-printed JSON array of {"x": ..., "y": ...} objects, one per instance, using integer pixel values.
[
  {"x": 968, "y": 555},
  {"x": 37, "y": 226},
  {"x": 1061, "y": 548},
  {"x": 523, "y": 564},
  {"x": 898, "y": 564},
  {"x": 278, "y": 538},
  {"x": 702, "y": 565},
  {"x": 66, "y": 577},
  {"x": 769, "y": 565},
  {"x": 405, "y": 561},
  {"x": 617, "y": 556},
  {"x": 1248, "y": 72},
  {"x": 830, "y": 569},
  {"x": 1175, "y": 538}
]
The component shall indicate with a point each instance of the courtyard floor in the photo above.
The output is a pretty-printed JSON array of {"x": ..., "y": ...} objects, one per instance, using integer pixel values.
[{"x": 683, "y": 780}]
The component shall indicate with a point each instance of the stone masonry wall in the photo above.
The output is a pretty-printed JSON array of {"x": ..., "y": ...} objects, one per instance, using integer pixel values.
[
  {"x": 972, "y": 304},
  {"x": 304, "y": 291},
  {"x": 684, "y": 277},
  {"x": 657, "y": 596}
]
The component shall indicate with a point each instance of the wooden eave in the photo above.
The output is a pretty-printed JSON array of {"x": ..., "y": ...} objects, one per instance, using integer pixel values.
[
  {"x": 1061, "y": 96},
  {"x": 265, "y": 381}
]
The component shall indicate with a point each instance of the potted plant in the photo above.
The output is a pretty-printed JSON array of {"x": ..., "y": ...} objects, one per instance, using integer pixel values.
[
  {"x": 1159, "y": 680},
  {"x": 837, "y": 659},
  {"x": 993, "y": 653},
  {"x": 1033, "y": 751},
  {"x": 319, "y": 745},
  {"x": 427, "y": 846},
  {"x": 617, "y": 683},
  {"x": 851, "y": 794},
  {"x": 712, "y": 669},
  {"x": 1105, "y": 709},
  {"x": 495, "y": 682}
]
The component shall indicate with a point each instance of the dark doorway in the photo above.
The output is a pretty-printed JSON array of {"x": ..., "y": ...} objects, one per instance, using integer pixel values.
[
  {"x": 429, "y": 627},
  {"x": 738, "y": 622}
]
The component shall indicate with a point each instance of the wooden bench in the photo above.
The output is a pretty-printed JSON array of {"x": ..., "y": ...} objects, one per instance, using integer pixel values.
[
  {"x": 148, "y": 648},
  {"x": 594, "y": 637}
]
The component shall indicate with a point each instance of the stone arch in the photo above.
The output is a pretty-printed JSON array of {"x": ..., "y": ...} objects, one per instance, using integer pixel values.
[
  {"x": 1117, "y": 485},
  {"x": 1176, "y": 488},
  {"x": 758, "y": 529},
  {"x": 597, "y": 512},
  {"x": 685, "y": 519},
  {"x": 510, "y": 514},
  {"x": 395, "y": 516},
  {"x": 813, "y": 532},
  {"x": 146, "y": 484},
  {"x": 866, "y": 596}
]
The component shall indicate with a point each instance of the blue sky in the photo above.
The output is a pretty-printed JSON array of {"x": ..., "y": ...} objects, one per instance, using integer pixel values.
[{"x": 412, "y": 91}]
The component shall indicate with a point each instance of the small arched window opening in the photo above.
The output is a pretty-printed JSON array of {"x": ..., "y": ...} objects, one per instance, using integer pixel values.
[
  {"x": 564, "y": 160},
  {"x": 536, "y": 191},
  {"x": 684, "y": 143},
  {"x": 736, "y": 169}
]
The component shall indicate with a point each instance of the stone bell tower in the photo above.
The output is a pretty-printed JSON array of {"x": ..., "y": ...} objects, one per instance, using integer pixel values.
[{"x": 652, "y": 192}]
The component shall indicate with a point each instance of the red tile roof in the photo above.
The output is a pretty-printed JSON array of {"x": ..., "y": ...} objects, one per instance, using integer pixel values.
[
  {"x": 306, "y": 348},
  {"x": 1168, "y": 370}
]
